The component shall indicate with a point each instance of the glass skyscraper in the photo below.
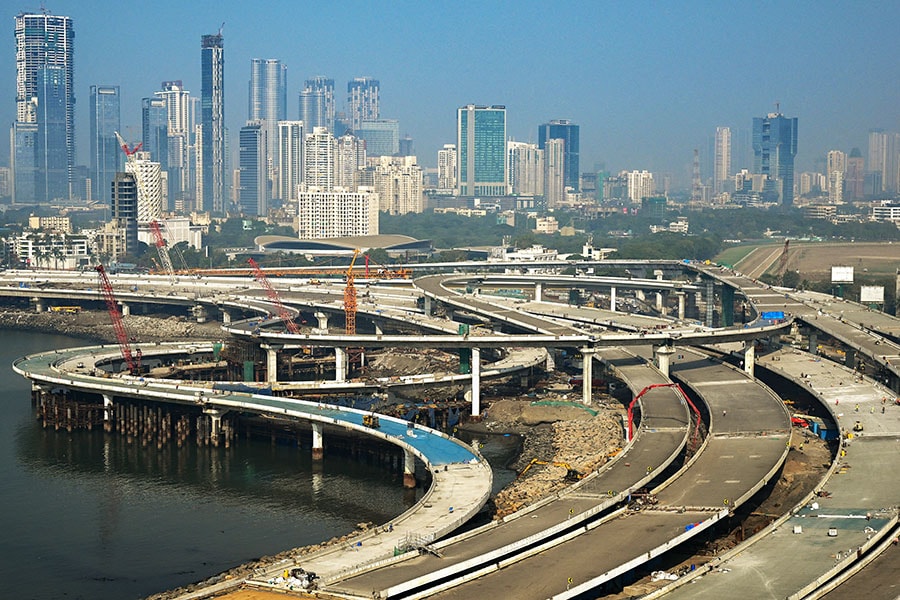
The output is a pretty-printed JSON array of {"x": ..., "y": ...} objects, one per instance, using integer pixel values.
[
  {"x": 106, "y": 156},
  {"x": 253, "y": 192},
  {"x": 774, "y": 149},
  {"x": 212, "y": 121},
  {"x": 44, "y": 134},
  {"x": 563, "y": 129},
  {"x": 481, "y": 147},
  {"x": 363, "y": 95},
  {"x": 268, "y": 104},
  {"x": 317, "y": 103},
  {"x": 382, "y": 136}
]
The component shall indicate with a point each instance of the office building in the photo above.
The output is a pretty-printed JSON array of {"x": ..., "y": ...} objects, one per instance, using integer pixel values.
[
  {"x": 884, "y": 161},
  {"x": 268, "y": 103},
  {"x": 107, "y": 158},
  {"x": 253, "y": 192},
  {"x": 319, "y": 159},
  {"x": 337, "y": 213},
  {"x": 407, "y": 147},
  {"x": 525, "y": 169},
  {"x": 854, "y": 182},
  {"x": 563, "y": 129},
  {"x": 290, "y": 159},
  {"x": 382, "y": 136},
  {"x": 362, "y": 101},
  {"x": 155, "y": 131},
  {"x": 722, "y": 162},
  {"x": 212, "y": 123},
  {"x": 774, "y": 149},
  {"x": 481, "y": 147},
  {"x": 43, "y": 137},
  {"x": 318, "y": 92},
  {"x": 447, "y": 167}
]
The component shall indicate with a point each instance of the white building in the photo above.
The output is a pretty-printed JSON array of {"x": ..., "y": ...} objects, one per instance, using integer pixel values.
[
  {"x": 324, "y": 213},
  {"x": 398, "y": 183},
  {"x": 52, "y": 251},
  {"x": 548, "y": 225},
  {"x": 525, "y": 168},
  {"x": 886, "y": 211},
  {"x": 152, "y": 194},
  {"x": 174, "y": 230},
  {"x": 350, "y": 158},
  {"x": 554, "y": 172},
  {"x": 640, "y": 185},
  {"x": 319, "y": 159},
  {"x": 447, "y": 167},
  {"x": 722, "y": 167},
  {"x": 290, "y": 159}
]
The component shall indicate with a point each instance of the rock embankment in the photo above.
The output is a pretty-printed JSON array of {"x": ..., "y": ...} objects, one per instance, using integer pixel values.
[{"x": 96, "y": 326}]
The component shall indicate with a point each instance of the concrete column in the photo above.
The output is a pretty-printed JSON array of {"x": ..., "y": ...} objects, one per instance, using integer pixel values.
[
  {"x": 378, "y": 330},
  {"x": 681, "y": 301},
  {"x": 199, "y": 313},
  {"x": 850, "y": 358},
  {"x": 428, "y": 306},
  {"x": 749, "y": 357},
  {"x": 663, "y": 356},
  {"x": 271, "y": 364},
  {"x": 409, "y": 469},
  {"x": 663, "y": 299},
  {"x": 226, "y": 317},
  {"x": 38, "y": 304},
  {"x": 812, "y": 342},
  {"x": 640, "y": 295},
  {"x": 550, "y": 366},
  {"x": 476, "y": 382},
  {"x": 318, "y": 448},
  {"x": 587, "y": 374},
  {"x": 323, "y": 320},
  {"x": 659, "y": 302},
  {"x": 340, "y": 364},
  {"x": 126, "y": 309},
  {"x": 612, "y": 298},
  {"x": 215, "y": 424},
  {"x": 538, "y": 292},
  {"x": 107, "y": 407}
]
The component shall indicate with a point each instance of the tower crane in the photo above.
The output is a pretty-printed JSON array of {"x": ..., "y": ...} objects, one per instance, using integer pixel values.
[
  {"x": 272, "y": 293},
  {"x": 132, "y": 360},
  {"x": 350, "y": 298},
  {"x": 161, "y": 248}
]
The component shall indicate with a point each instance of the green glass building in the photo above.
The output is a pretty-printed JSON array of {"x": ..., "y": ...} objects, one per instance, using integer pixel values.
[{"x": 481, "y": 147}]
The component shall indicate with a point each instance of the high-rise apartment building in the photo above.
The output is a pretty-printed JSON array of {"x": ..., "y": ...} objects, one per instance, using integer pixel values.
[
  {"x": 337, "y": 213},
  {"x": 107, "y": 157},
  {"x": 854, "y": 183},
  {"x": 525, "y": 169},
  {"x": 447, "y": 167},
  {"x": 254, "y": 189},
  {"x": 319, "y": 89},
  {"x": 554, "y": 172},
  {"x": 155, "y": 130},
  {"x": 398, "y": 182},
  {"x": 563, "y": 129},
  {"x": 212, "y": 121},
  {"x": 290, "y": 159},
  {"x": 774, "y": 149},
  {"x": 481, "y": 147},
  {"x": 884, "y": 161},
  {"x": 640, "y": 185},
  {"x": 350, "y": 157},
  {"x": 319, "y": 159},
  {"x": 151, "y": 189},
  {"x": 362, "y": 101},
  {"x": 180, "y": 159},
  {"x": 835, "y": 174},
  {"x": 722, "y": 163},
  {"x": 43, "y": 136}
]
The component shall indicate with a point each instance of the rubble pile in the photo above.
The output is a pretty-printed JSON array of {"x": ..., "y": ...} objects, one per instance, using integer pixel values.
[{"x": 408, "y": 361}]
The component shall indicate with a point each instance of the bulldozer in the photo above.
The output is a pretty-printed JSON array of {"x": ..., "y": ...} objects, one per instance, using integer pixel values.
[{"x": 571, "y": 474}]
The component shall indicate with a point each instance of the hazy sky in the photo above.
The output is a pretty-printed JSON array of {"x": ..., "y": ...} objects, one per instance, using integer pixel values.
[{"x": 647, "y": 81}]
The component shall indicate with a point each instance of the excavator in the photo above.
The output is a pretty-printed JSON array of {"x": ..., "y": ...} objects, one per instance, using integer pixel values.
[{"x": 571, "y": 474}]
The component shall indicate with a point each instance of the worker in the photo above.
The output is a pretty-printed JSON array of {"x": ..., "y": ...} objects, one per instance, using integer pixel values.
[
  {"x": 724, "y": 412},
  {"x": 857, "y": 408}
]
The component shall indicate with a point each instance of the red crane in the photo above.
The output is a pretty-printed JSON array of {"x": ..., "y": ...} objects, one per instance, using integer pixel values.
[
  {"x": 653, "y": 387},
  {"x": 283, "y": 312},
  {"x": 161, "y": 248},
  {"x": 132, "y": 360}
]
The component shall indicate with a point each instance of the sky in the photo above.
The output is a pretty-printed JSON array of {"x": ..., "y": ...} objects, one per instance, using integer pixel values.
[{"x": 646, "y": 81}]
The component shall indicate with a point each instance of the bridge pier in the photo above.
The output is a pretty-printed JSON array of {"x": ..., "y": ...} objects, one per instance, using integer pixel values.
[
  {"x": 126, "y": 309},
  {"x": 476, "y": 382},
  {"x": 108, "y": 409},
  {"x": 409, "y": 469},
  {"x": 550, "y": 365},
  {"x": 226, "y": 316},
  {"x": 850, "y": 358},
  {"x": 215, "y": 424},
  {"x": 200, "y": 313},
  {"x": 538, "y": 292},
  {"x": 272, "y": 361},
  {"x": 38, "y": 304},
  {"x": 812, "y": 344},
  {"x": 663, "y": 355},
  {"x": 749, "y": 357},
  {"x": 612, "y": 298},
  {"x": 587, "y": 374},
  {"x": 323, "y": 320},
  {"x": 681, "y": 302},
  {"x": 340, "y": 364},
  {"x": 318, "y": 447},
  {"x": 428, "y": 306},
  {"x": 378, "y": 329}
]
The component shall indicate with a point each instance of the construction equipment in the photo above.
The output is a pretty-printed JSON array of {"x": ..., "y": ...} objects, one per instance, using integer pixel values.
[
  {"x": 130, "y": 158},
  {"x": 663, "y": 385},
  {"x": 350, "y": 299},
  {"x": 371, "y": 421},
  {"x": 161, "y": 249},
  {"x": 783, "y": 259},
  {"x": 571, "y": 474},
  {"x": 133, "y": 361},
  {"x": 272, "y": 293}
]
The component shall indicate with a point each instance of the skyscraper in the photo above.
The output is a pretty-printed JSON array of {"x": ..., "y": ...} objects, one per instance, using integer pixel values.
[
  {"x": 312, "y": 108},
  {"x": 45, "y": 107},
  {"x": 268, "y": 103},
  {"x": 563, "y": 129},
  {"x": 525, "y": 168},
  {"x": 884, "y": 159},
  {"x": 362, "y": 101},
  {"x": 774, "y": 149},
  {"x": 554, "y": 171},
  {"x": 722, "y": 165},
  {"x": 212, "y": 121},
  {"x": 155, "y": 130},
  {"x": 481, "y": 147},
  {"x": 124, "y": 203},
  {"x": 854, "y": 188},
  {"x": 179, "y": 165},
  {"x": 150, "y": 190},
  {"x": 106, "y": 156},
  {"x": 290, "y": 159},
  {"x": 319, "y": 160},
  {"x": 253, "y": 193},
  {"x": 447, "y": 167},
  {"x": 322, "y": 90},
  {"x": 382, "y": 136}
]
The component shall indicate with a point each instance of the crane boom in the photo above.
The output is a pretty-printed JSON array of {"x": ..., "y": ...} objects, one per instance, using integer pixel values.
[
  {"x": 350, "y": 299},
  {"x": 161, "y": 248},
  {"x": 272, "y": 293},
  {"x": 131, "y": 360}
]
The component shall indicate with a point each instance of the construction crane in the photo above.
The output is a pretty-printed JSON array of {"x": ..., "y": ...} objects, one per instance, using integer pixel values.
[
  {"x": 130, "y": 158},
  {"x": 350, "y": 298},
  {"x": 782, "y": 262},
  {"x": 133, "y": 361},
  {"x": 161, "y": 248},
  {"x": 272, "y": 293},
  {"x": 684, "y": 396}
]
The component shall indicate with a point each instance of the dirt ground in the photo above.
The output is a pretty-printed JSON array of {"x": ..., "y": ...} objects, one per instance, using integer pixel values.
[{"x": 814, "y": 260}]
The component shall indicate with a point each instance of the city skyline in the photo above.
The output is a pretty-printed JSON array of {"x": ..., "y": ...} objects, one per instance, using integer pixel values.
[{"x": 645, "y": 83}]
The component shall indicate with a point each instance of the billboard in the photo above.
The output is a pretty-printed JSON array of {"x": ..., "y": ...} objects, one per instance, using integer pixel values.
[
  {"x": 841, "y": 274},
  {"x": 871, "y": 294}
]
